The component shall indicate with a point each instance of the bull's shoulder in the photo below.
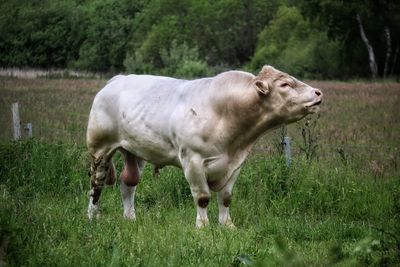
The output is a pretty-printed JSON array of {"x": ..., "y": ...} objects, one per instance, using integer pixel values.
[
  {"x": 232, "y": 81},
  {"x": 234, "y": 76}
]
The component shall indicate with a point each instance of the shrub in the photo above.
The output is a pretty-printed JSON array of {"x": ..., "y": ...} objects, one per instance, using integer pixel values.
[
  {"x": 192, "y": 69},
  {"x": 293, "y": 44},
  {"x": 135, "y": 63},
  {"x": 179, "y": 60}
]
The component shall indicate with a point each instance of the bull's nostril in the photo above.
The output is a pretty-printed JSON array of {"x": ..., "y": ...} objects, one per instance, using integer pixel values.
[{"x": 318, "y": 92}]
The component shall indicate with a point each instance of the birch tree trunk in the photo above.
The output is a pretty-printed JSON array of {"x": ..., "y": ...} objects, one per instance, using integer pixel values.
[
  {"x": 388, "y": 51},
  {"x": 371, "y": 54}
]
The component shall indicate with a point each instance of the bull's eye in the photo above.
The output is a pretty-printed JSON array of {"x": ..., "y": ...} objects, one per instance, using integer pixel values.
[{"x": 284, "y": 84}]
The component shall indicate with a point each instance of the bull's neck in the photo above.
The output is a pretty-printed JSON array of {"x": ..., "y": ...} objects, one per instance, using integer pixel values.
[{"x": 249, "y": 121}]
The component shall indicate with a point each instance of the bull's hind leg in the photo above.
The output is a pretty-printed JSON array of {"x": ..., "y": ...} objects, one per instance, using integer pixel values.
[
  {"x": 130, "y": 177},
  {"x": 101, "y": 173}
]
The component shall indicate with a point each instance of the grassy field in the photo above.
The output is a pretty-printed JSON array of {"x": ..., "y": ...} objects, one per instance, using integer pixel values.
[{"x": 340, "y": 207}]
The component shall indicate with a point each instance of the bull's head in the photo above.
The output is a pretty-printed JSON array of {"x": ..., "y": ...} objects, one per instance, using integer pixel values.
[{"x": 285, "y": 96}]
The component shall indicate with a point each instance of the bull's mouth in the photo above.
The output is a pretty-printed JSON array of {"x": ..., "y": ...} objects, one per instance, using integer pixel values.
[
  {"x": 314, "y": 106},
  {"x": 316, "y": 103}
]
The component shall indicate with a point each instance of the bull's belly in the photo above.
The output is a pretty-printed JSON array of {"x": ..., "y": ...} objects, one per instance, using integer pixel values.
[
  {"x": 142, "y": 135},
  {"x": 157, "y": 153}
]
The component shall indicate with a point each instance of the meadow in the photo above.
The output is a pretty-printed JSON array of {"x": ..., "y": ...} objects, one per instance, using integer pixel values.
[{"x": 337, "y": 204}]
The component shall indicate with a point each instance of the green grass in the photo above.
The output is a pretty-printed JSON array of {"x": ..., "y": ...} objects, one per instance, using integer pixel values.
[{"x": 306, "y": 215}]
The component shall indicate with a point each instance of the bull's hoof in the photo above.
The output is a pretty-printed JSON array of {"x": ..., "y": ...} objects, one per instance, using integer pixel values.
[
  {"x": 93, "y": 211},
  {"x": 229, "y": 224},
  {"x": 130, "y": 216},
  {"x": 201, "y": 223}
]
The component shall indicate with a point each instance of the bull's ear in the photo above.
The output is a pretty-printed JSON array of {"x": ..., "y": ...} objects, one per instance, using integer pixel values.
[{"x": 262, "y": 87}]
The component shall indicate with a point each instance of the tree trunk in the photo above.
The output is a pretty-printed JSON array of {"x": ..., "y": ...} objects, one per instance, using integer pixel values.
[
  {"x": 388, "y": 51},
  {"x": 371, "y": 54}
]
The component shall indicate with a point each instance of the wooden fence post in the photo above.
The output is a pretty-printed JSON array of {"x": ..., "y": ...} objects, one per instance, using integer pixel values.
[
  {"x": 16, "y": 121},
  {"x": 287, "y": 149}
]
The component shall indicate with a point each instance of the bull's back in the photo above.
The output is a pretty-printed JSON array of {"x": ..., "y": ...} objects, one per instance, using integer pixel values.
[{"x": 146, "y": 102}]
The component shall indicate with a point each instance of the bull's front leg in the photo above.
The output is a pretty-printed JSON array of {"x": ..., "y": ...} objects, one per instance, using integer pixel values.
[
  {"x": 224, "y": 200},
  {"x": 195, "y": 175}
]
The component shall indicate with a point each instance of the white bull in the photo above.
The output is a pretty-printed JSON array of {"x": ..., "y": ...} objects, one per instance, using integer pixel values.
[{"x": 206, "y": 127}]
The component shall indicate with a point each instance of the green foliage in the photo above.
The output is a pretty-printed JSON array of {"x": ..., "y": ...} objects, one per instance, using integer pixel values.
[
  {"x": 108, "y": 30},
  {"x": 192, "y": 69},
  {"x": 339, "y": 19},
  {"x": 179, "y": 61},
  {"x": 159, "y": 38},
  {"x": 223, "y": 31},
  {"x": 40, "y": 33},
  {"x": 312, "y": 39},
  {"x": 136, "y": 64},
  {"x": 183, "y": 61},
  {"x": 292, "y": 43}
]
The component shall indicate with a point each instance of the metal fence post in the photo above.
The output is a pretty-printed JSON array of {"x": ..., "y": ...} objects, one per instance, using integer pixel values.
[
  {"x": 16, "y": 121},
  {"x": 287, "y": 150},
  {"x": 28, "y": 128}
]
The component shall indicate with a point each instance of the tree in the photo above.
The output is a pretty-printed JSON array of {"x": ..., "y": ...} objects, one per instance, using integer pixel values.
[
  {"x": 371, "y": 53},
  {"x": 372, "y": 21},
  {"x": 40, "y": 33},
  {"x": 224, "y": 32},
  {"x": 108, "y": 30},
  {"x": 292, "y": 43},
  {"x": 310, "y": 38}
]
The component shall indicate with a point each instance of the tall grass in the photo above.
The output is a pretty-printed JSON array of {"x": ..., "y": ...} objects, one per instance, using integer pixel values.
[
  {"x": 303, "y": 215},
  {"x": 58, "y": 109}
]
